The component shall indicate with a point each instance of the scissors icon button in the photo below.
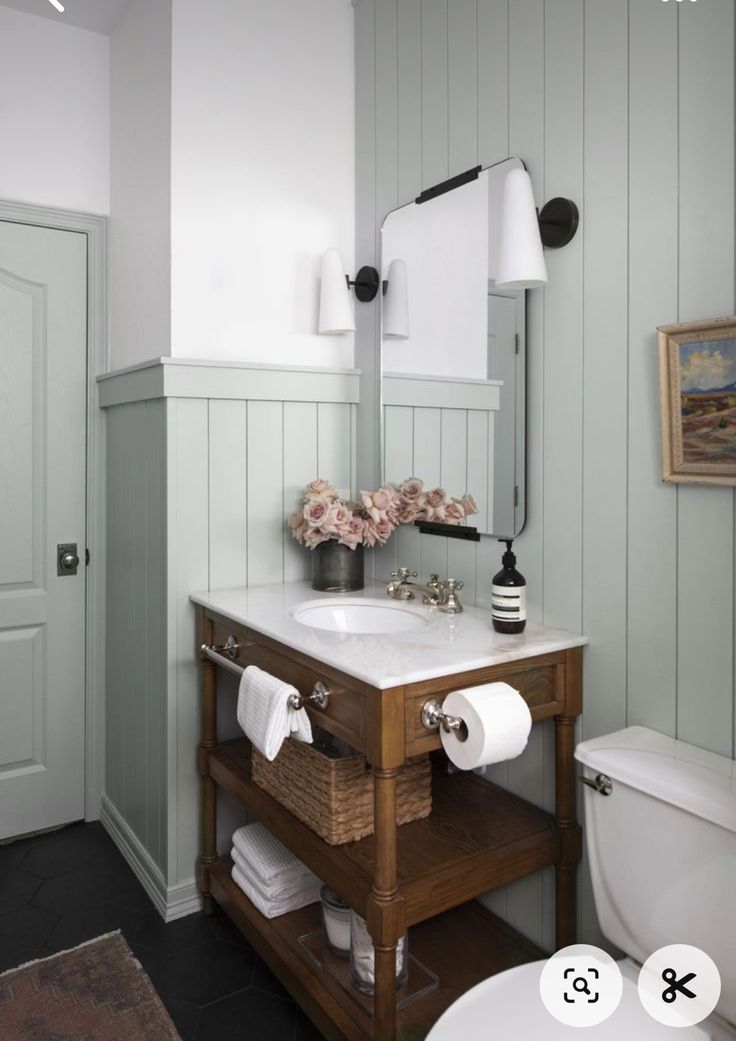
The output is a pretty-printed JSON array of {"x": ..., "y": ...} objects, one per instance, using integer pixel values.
[{"x": 669, "y": 994}]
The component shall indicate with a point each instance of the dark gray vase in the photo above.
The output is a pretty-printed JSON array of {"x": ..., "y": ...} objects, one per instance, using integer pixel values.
[{"x": 337, "y": 568}]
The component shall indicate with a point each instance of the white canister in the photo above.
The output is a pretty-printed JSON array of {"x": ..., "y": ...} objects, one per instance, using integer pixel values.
[{"x": 336, "y": 920}]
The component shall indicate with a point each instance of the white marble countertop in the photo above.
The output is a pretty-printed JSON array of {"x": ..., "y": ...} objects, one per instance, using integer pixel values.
[{"x": 446, "y": 645}]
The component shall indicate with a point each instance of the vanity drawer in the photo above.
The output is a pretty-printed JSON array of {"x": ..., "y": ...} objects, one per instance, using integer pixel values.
[
  {"x": 540, "y": 687},
  {"x": 344, "y": 715}
]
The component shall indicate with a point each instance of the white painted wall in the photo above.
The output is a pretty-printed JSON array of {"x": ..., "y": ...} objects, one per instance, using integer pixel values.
[
  {"x": 262, "y": 175},
  {"x": 54, "y": 114},
  {"x": 141, "y": 184}
]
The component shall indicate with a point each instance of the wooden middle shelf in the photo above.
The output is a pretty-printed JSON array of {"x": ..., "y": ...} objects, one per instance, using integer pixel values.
[
  {"x": 462, "y": 947},
  {"x": 477, "y": 837}
]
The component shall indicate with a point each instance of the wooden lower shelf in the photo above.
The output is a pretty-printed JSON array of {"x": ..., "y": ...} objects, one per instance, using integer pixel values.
[
  {"x": 478, "y": 837},
  {"x": 462, "y": 947}
]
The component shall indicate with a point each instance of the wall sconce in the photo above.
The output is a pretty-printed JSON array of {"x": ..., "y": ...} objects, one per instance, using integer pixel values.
[
  {"x": 396, "y": 302},
  {"x": 520, "y": 263},
  {"x": 523, "y": 232},
  {"x": 335, "y": 308},
  {"x": 558, "y": 222}
]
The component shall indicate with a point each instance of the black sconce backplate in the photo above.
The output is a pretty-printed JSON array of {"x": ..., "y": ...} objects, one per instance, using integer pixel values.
[{"x": 558, "y": 222}]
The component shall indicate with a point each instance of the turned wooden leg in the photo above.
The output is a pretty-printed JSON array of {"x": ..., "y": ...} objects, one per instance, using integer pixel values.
[
  {"x": 570, "y": 835},
  {"x": 385, "y": 906},
  {"x": 208, "y": 847}
]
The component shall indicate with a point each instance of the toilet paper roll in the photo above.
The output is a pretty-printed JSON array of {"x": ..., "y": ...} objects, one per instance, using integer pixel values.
[{"x": 498, "y": 722}]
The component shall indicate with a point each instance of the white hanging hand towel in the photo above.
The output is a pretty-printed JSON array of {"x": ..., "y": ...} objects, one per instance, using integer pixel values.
[{"x": 265, "y": 715}]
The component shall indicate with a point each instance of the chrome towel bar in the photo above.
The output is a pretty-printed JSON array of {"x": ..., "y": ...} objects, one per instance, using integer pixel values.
[{"x": 224, "y": 655}]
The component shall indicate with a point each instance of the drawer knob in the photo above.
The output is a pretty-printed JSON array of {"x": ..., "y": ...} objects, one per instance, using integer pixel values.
[{"x": 319, "y": 698}]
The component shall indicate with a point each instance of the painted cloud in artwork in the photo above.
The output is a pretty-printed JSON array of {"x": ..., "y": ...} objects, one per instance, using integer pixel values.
[{"x": 708, "y": 366}]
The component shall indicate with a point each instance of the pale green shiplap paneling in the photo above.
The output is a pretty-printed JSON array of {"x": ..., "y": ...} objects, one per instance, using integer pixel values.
[
  {"x": 197, "y": 491},
  {"x": 300, "y": 467},
  {"x": 605, "y": 376},
  {"x": 462, "y": 84},
  {"x": 628, "y": 108},
  {"x": 136, "y": 592},
  {"x": 227, "y": 494},
  {"x": 652, "y": 300},
  {"x": 706, "y": 279}
]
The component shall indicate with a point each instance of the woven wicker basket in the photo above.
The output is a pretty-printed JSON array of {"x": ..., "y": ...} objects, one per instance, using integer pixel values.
[{"x": 334, "y": 797}]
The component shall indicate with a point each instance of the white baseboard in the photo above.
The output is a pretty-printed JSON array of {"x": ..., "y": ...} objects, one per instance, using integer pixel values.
[{"x": 171, "y": 902}]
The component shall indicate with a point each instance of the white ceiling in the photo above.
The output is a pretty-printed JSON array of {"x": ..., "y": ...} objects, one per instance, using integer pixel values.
[{"x": 97, "y": 15}]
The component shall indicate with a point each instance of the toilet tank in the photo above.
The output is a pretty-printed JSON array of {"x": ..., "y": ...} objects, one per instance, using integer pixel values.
[{"x": 662, "y": 847}]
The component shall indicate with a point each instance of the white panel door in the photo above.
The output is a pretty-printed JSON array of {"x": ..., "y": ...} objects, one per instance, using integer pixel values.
[{"x": 43, "y": 361}]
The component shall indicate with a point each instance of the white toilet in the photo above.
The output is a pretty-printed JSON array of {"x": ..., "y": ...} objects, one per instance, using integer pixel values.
[{"x": 662, "y": 851}]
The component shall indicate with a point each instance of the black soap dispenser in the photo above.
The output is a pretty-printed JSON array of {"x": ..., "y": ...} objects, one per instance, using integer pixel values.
[{"x": 508, "y": 595}]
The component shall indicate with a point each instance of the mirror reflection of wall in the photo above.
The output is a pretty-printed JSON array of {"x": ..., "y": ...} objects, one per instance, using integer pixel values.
[{"x": 453, "y": 352}]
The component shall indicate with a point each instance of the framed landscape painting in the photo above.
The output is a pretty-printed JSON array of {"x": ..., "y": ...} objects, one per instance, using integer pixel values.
[{"x": 697, "y": 382}]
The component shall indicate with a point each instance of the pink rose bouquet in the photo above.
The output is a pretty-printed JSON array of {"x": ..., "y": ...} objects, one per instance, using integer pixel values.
[{"x": 371, "y": 521}]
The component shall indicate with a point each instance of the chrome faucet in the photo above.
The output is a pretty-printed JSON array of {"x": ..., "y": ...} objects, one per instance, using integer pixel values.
[{"x": 434, "y": 594}]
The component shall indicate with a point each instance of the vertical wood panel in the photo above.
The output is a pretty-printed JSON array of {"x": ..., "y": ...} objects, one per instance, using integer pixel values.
[
  {"x": 563, "y": 383},
  {"x": 479, "y": 453},
  {"x": 526, "y": 139},
  {"x": 228, "y": 489},
  {"x": 300, "y": 467},
  {"x": 155, "y": 647},
  {"x": 427, "y": 445},
  {"x": 493, "y": 81},
  {"x": 399, "y": 442},
  {"x": 188, "y": 570},
  {"x": 334, "y": 432},
  {"x": 605, "y": 382},
  {"x": 366, "y": 237},
  {"x": 387, "y": 115},
  {"x": 462, "y": 56},
  {"x": 266, "y": 491},
  {"x": 705, "y": 515},
  {"x": 454, "y": 451},
  {"x": 652, "y": 512},
  {"x": 435, "y": 139},
  {"x": 409, "y": 47}
]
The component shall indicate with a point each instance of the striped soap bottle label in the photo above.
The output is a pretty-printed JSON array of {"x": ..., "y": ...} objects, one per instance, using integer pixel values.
[{"x": 508, "y": 603}]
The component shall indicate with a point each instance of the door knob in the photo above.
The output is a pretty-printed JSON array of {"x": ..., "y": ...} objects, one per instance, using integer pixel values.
[{"x": 67, "y": 558}]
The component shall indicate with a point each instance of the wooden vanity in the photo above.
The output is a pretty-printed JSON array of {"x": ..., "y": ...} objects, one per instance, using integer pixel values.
[{"x": 424, "y": 876}]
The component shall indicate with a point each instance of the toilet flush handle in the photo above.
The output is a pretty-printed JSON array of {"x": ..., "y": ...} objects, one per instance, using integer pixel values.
[{"x": 602, "y": 784}]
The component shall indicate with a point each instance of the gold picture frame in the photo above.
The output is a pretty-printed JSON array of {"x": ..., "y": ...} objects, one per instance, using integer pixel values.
[{"x": 697, "y": 392}]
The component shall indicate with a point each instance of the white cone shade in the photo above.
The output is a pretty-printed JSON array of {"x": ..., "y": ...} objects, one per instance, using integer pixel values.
[
  {"x": 520, "y": 255},
  {"x": 335, "y": 306},
  {"x": 396, "y": 302}
]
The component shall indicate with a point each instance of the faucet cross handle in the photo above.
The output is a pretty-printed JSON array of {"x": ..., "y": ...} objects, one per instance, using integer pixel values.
[
  {"x": 404, "y": 573},
  {"x": 451, "y": 603}
]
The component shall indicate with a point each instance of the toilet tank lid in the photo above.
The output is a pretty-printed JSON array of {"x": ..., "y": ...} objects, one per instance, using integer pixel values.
[{"x": 700, "y": 782}]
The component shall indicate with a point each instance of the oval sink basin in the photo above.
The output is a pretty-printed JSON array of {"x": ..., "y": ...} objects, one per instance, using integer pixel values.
[{"x": 359, "y": 616}]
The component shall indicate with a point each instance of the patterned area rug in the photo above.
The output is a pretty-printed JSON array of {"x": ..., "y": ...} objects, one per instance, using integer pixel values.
[{"x": 97, "y": 992}]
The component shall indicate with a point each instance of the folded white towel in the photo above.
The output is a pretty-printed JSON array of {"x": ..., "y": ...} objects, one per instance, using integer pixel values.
[
  {"x": 265, "y": 715},
  {"x": 283, "y": 890},
  {"x": 269, "y": 859},
  {"x": 272, "y": 908}
]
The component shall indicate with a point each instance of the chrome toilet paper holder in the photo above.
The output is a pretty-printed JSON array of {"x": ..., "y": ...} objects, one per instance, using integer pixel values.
[{"x": 433, "y": 717}]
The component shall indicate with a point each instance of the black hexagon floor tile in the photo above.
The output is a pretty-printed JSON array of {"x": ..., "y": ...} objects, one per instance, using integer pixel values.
[
  {"x": 59, "y": 853},
  {"x": 305, "y": 1028},
  {"x": 76, "y": 890},
  {"x": 248, "y": 1014},
  {"x": 12, "y": 854},
  {"x": 23, "y": 934},
  {"x": 185, "y": 1017},
  {"x": 171, "y": 937},
  {"x": 16, "y": 888},
  {"x": 86, "y": 923},
  {"x": 207, "y": 973}
]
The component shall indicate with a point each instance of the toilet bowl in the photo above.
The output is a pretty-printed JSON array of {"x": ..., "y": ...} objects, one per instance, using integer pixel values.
[{"x": 662, "y": 854}]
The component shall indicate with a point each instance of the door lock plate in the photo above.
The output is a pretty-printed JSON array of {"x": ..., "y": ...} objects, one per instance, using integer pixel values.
[{"x": 67, "y": 558}]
